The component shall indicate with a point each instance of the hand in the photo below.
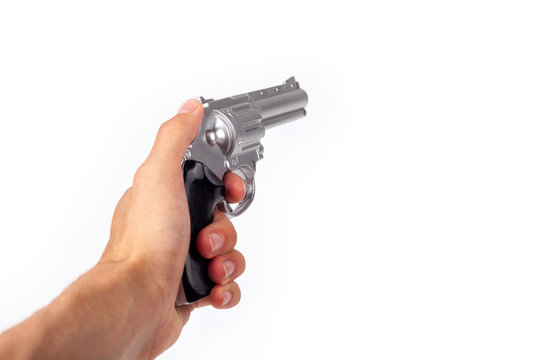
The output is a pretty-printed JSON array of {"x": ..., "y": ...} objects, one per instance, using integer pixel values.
[
  {"x": 124, "y": 306},
  {"x": 151, "y": 222}
]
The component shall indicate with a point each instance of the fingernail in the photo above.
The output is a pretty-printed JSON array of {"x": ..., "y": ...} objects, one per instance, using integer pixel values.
[
  {"x": 189, "y": 106},
  {"x": 229, "y": 267},
  {"x": 227, "y": 296},
  {"x": 216, "y": 242}
]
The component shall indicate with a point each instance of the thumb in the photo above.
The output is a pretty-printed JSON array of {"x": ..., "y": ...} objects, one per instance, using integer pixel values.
[{"x": 175, "y": 135}]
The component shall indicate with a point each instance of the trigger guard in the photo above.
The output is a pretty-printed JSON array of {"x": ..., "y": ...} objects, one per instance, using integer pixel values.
[{"x": 248, "y": 176}]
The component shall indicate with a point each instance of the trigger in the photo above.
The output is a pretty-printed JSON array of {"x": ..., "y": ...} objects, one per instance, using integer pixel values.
[{"x": 248, "y": 176}]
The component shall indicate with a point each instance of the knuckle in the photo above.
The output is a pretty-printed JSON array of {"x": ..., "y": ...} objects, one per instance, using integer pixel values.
[
  {"x": 144, "y": 173},
  {"x": 167, "y": 124},
  {"x": 141, "y": 170},
  {"x": 229, "y": 230},
  {"x": 241, "y": 263},
  {"x": 237, "y": 294},
  {"x": 233, "y": 235},
  {"x": 175, "y": 123}
]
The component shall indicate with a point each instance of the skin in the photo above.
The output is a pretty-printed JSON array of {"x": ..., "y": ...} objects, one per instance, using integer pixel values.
[{"x": 123, "y": 308}]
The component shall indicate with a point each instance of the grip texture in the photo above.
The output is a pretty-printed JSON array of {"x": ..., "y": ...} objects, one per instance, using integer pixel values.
[{"x": 204, "y": 191}]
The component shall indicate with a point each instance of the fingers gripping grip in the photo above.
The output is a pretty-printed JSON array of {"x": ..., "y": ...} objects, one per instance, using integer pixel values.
[{"x": 204, "y": 190}]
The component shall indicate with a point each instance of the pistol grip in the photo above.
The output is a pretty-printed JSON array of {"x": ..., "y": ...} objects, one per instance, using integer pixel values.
[{"x": 204, "y": 190}]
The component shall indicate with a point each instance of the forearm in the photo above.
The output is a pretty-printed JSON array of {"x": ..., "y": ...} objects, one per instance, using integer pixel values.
[{"x": 96, "y": 317}]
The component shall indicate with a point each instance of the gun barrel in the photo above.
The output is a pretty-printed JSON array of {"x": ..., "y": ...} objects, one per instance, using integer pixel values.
[{"x": 280, "y": 104}]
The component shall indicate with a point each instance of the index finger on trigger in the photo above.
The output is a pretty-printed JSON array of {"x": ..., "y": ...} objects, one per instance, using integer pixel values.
[{"x": 234, "y": 187}]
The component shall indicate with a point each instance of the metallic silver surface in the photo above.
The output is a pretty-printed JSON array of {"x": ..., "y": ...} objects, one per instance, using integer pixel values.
[
  {"x": 181, "y": 297},
  {"x": 232, "y": 128}
]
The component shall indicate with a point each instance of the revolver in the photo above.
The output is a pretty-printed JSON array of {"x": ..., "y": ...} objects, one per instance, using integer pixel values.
[{"x": 229, "y": 140}]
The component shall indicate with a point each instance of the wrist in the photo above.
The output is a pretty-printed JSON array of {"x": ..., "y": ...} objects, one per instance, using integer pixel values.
[{"x": 75, "y": 324}]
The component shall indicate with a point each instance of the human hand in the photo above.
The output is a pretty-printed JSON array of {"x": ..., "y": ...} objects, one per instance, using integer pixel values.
[
  {"x": 151, "y": 225},
  {"x": 123, "y": 308}
]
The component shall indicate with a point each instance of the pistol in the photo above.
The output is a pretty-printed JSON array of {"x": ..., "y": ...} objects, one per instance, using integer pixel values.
[{"x": 229, "y": 140}]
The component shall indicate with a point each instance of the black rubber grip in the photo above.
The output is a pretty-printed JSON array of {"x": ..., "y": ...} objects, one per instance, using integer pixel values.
[{"x": 204, "y": 191}]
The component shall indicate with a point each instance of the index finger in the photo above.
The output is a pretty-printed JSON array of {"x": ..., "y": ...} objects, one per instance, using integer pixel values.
[{"x": 234, "y": 187}]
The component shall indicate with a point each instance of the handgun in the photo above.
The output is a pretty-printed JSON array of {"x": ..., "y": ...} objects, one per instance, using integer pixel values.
[{"x": 229, "y": 139}]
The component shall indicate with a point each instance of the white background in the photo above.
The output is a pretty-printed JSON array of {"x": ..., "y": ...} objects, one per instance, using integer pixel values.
[{"x": 398, "y": 220}]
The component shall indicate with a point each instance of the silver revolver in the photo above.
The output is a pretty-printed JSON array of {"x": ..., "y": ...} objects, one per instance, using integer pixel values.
[{"x": 229, "y": 140}]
